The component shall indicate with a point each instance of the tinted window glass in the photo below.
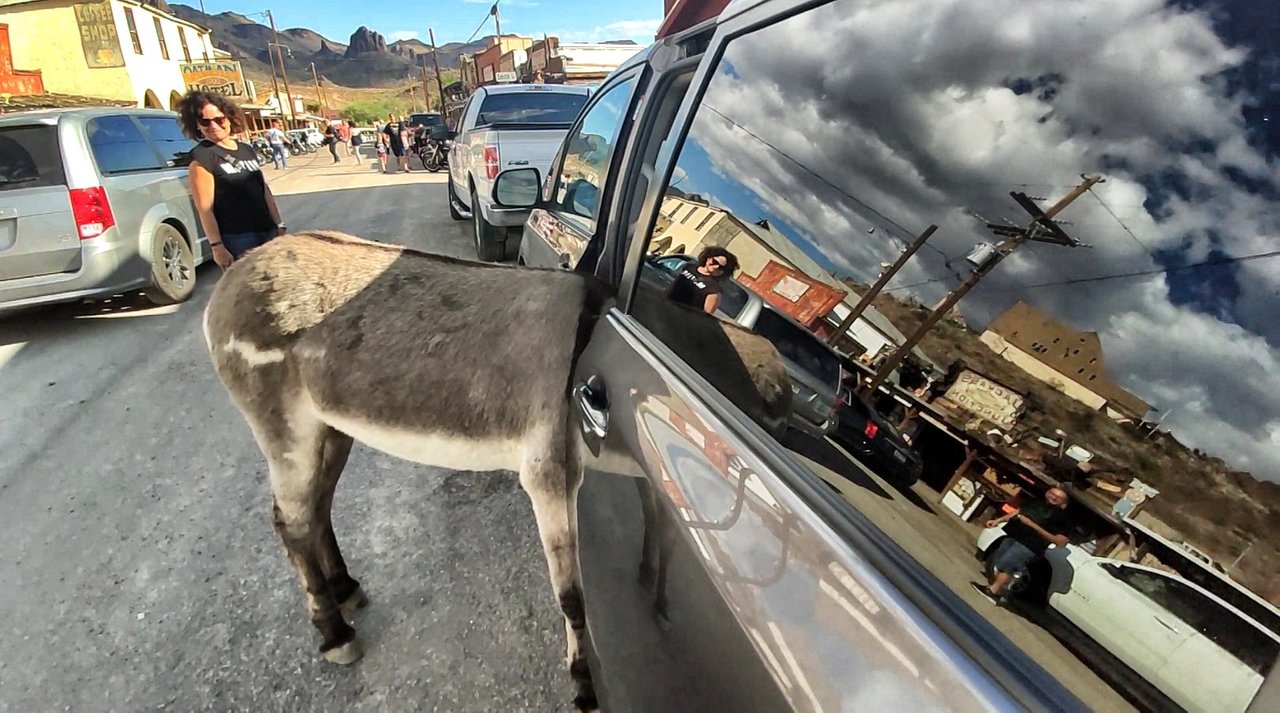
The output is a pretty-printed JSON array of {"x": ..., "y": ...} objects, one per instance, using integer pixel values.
[
  {"x": 822, "y": 145},
  {"x": 427, "y": 120},
  {"x": 29, "y": 157},
  {"x": 799, "y": 346},
  {"x": 588, "y": 152},
  {"x": 530, "y": 108},
  {"x": 168, "y": 139},
  {"x": 119, "y": 147}
]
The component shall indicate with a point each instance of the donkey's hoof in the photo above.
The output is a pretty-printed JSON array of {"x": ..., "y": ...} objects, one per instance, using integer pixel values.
[
  {"x": 356, "y": 601},
  {"x": 346, "y": 654}
]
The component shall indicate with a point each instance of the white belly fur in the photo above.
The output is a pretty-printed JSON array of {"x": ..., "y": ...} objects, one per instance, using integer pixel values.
[{"x": 435, "y": 449}]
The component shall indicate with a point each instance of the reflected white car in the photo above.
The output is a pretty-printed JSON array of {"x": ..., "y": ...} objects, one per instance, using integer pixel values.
[{"x": 1197, "y": 649}]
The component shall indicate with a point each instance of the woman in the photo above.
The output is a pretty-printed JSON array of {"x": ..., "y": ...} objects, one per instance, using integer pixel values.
[
  {"x": 331, "y": 140},
  {"x": 231, "y": 196},
  {"x": 699, "y": 282}
]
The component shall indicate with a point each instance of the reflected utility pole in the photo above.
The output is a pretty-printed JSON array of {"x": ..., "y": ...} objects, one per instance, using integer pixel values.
[
  {"x": 870, "y": 294},
  {"x": 1042, "y": 229}
]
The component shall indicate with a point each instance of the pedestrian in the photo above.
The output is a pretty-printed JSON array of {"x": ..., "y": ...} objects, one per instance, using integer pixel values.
[
  {"x": 276, "y": 140},
  {"x": 231, "y": 196},
  {"x": 344, "y": 135},
  {"x": 699, "y": 282},
  {"x": 331, "y": 140},
  {"x": 1029, "y": 533},
  {"x": 394, "y": 131},
  {"x": 382, "y": 152},
  {"x": 356, "y": 140}
]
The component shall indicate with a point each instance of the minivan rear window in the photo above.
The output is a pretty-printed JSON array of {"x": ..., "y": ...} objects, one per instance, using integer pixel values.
[
  {"x": 532, "y": 108},
  {"x": 30, "y": 158},
  {"x": 119, "y": 146}
]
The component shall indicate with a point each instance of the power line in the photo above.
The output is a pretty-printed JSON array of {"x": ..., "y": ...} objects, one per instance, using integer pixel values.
[
  {"x": 1121, "y": 222},
  {"x": 484, "y": 22}
]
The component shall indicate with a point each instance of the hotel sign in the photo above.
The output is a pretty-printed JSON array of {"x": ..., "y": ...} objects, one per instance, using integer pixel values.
[
  {"x": 223, "y": 78},
  {"x": 986, "y": 399},
  {"x": 98, "y": 35}
]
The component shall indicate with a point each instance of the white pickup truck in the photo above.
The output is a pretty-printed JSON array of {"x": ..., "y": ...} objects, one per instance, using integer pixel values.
[{"x": 502, "y": 127}]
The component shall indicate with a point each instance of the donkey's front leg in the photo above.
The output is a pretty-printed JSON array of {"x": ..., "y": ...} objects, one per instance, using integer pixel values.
[{"x": 551, "y": 475}]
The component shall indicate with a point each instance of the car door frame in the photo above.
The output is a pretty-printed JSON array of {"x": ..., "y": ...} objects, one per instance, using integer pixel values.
[
  {"x": 532, "y": 232},
  {"x": 938, "y": 613}
]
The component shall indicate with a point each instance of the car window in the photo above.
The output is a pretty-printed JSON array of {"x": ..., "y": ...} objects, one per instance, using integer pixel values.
[
  {"x": 119, "y": 146},
  {"x": 168, "y": 139},
  {"x": 799, "y": 346},
  {"x": 30, "y": 158},
  {"x": 1133, "y": 329},
  {"x": 588, "y": 154},
  {"x": 530, "y": 108},
  {"x": 1177, "y": 598}
]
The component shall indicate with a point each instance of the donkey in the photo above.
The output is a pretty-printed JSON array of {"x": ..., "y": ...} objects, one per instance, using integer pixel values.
[{"x": 322, "y": 338}]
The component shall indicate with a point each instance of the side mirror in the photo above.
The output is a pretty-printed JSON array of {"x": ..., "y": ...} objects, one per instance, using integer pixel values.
[{"x": 517, "y": 188}]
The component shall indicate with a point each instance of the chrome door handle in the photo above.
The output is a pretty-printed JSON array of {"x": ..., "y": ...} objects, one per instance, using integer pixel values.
[
  {"x": 594, "y": 406},
  {"x": 1167, "y": 625}
]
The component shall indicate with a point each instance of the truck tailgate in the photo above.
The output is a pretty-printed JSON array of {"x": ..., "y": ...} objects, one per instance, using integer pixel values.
[{"x": 518, "y": 148}]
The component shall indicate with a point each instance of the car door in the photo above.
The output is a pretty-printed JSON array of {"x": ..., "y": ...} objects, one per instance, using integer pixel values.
[
  {"x": 557, "y": 234},
  {"x": 720, "y": 573},
  {"x": 168, "y": 140},
  {"x": 134, "y": 175},
  {"x": 37, "y": 226},
  {"x": 1122, "y": 608}
]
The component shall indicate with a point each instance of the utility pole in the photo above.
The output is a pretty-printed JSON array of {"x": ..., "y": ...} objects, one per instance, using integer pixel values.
[
  {"x": 435, "y": 59},
  {"x": 275, "y": 86},
  {"x": 1231, "y": 568},
  {"x": 284, "y": 74},
  {"x": 426, "y": 93},
  {"x": 497, "y": 21},
  {"x": 1042, "y": 229},
  {"x": 871, "y": 293},
  {"x": 324, "y": 105}
]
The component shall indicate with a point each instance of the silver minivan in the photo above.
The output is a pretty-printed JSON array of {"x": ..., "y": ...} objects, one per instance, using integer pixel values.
[{"x": 95, "y": 202}]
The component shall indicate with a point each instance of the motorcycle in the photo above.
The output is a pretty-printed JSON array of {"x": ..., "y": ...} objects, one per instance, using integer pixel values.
[
  {"x": 263, "y": 148},
  {"x": 434, "y": 153}
]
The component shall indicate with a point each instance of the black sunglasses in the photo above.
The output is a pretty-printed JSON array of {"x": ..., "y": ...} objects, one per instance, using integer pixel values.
[{"x": 220, "y": 120}]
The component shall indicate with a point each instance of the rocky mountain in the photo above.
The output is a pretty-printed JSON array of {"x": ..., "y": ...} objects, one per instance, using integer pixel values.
[{"x": 365, "y": 60}]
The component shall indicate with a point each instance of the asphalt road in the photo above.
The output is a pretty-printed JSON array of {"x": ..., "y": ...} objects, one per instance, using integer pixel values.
[{"x": 141, "y": 569}]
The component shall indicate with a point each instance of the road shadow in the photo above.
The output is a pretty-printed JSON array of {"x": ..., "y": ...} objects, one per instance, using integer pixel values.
[{"x": 826, "y": 455}]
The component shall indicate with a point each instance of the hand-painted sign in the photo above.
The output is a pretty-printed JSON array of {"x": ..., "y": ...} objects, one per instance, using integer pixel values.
[
  {"x": 223, "y": 78},
  {"x": 985, "y": 398},
  {"x": 98, "y": 35}
]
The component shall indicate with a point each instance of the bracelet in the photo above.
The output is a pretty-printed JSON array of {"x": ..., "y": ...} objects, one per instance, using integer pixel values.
[{"x": 213, "y": 244}]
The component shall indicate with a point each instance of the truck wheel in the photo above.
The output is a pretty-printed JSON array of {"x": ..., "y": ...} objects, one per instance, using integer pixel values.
[
  {"x": 173, "y": 267},
  {"x": 514, "y": 236},
  {"x": 491, "y": 242},
  {"x": 453, "y": 202}
]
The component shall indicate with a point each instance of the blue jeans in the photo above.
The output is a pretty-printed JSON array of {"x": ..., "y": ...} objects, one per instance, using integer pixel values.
[
  {"x": 279, "y": 155},
  {"x": 240, "y": 243},
  {"x": 1012, "y": 556}
]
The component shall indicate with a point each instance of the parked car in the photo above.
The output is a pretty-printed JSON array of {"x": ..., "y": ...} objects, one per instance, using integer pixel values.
[
  {"x": 875, "y": 442},
  {"x": 501, "y": 127},
  {"x": 94, "y": 202},
  {"x": 1204, "y": 654}
]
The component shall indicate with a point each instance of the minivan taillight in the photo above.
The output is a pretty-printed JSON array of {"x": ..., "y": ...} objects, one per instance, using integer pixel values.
[
  {"x": 491, "y": 161},
  {"x": 92, "y": 211}
]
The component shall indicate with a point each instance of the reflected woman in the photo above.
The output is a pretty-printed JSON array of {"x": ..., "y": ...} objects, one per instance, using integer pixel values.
[{"x": 699, "y": 282}]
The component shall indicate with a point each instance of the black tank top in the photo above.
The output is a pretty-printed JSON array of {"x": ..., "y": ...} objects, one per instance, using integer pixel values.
[
  {"x": 692, "y": 287},
  {"x": 239, "y": 188}
]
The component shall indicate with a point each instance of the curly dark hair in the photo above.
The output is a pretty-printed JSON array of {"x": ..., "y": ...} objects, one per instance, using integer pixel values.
[
  {"x": 195, "y": 101},
  {"x": 731, "y": 265}
]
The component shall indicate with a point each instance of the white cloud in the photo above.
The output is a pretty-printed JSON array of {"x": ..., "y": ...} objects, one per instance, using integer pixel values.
[
  {"x": 933, "y": 111},
  {"x": 641, "y": 31},
  {"x": 402, "y": 35}
]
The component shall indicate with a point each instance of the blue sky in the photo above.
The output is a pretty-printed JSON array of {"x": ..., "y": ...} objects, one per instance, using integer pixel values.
[{"x": 455, "y": 20}]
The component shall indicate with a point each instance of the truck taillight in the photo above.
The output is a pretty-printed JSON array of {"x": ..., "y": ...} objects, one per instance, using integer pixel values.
[
  {"x": 491, "y": 162},
  {"x": 871, "y": 430},
  {"x": 92, "y": 211}
]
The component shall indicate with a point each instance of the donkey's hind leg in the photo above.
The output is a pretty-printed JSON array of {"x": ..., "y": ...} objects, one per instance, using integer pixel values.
[
  {"x": 295, "y": 451},
  {"x": 551, "y": 475},
  {"x": 346, "y": 590}
]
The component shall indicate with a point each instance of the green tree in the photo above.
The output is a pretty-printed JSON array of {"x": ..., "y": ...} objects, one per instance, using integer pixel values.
[{"x": 372, "y": 111}]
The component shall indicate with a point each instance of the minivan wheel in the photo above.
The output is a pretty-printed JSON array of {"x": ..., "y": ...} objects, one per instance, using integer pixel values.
[
  {"x": 491, "y": 242},
  {"x": 173, "y": 267}
]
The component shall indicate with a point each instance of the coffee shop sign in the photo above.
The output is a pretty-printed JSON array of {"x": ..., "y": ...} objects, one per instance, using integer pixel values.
[{"x": 223, "y": 78}]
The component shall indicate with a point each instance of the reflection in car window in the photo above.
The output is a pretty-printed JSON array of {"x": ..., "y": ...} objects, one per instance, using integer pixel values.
[
  {"x": 29, "y": 157},
  {"x": 119, "y": 146},
  {"x": 168, "y": 138},
  {"x": 588, "y": 153},
  {"x": 1141, "y": 370}
]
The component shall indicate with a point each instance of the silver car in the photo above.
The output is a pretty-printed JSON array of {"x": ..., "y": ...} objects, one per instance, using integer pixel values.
[{"x": 94, "y": 202}]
